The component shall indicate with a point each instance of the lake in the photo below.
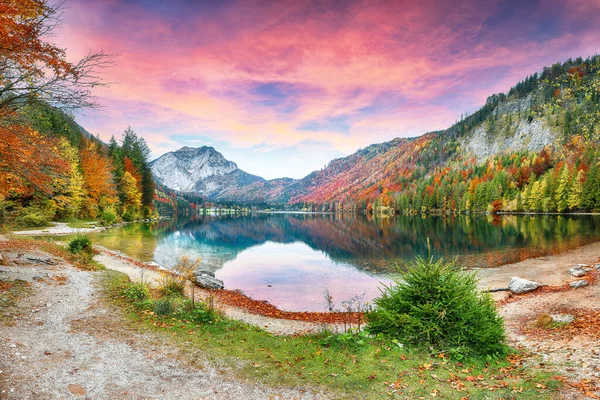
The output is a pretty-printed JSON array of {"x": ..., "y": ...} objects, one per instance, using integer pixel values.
[{"x": 290, "y": 260}]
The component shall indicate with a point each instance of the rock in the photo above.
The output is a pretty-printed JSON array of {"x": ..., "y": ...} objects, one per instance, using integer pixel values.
[
  {"x": 578, "y": 284},
  {"x": 577, "y": 271},
  {"x": 597, "y": 266},
  {"x": 520, "y": 285},
  {"x": 562, "y": 318},
  {"x": 207, "y": 280},
  {"x": 2, "y": 260}
]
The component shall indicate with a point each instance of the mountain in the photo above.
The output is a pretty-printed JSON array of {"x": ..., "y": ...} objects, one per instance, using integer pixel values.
[
  {"x": 204, "y": 171},
  {"x": 534, "y": 148}
]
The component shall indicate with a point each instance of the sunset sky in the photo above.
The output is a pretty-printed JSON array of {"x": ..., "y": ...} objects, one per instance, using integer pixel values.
[{"x": 283, "y": 87}]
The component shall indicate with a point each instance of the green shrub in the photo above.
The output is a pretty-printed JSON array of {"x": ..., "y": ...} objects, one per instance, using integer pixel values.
[
  {"x": 34, "y": 217},
  {"x": 80, "y": 244},
  {"x": 171, "y": 286},
  {"x": 202, "y": 314},
  {"x": 131, "y": 215},
  {"x": 163, "y": 307},
  {"x": 108, "y": 217},
  {"x": 136, "y": 291},
  {"x": 436, "y": 305},
  {"x": 348, "y": 340}
]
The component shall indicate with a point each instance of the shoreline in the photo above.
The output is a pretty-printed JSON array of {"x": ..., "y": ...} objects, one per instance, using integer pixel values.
[
  {"x": 550, "y": 270},
  {"x": 519, "y": 312},
  {"x": 233, "y": 303}
]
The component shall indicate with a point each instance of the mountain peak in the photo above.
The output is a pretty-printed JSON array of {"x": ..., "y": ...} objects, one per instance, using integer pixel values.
[{"x": 196, "y": 149}]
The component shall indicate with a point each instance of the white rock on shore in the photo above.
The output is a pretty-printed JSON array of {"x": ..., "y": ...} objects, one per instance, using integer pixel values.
[
  {"x": 519, "y": 285},
  {"x": 579, "y": 284},
  {"x": 578, "y": 271}
]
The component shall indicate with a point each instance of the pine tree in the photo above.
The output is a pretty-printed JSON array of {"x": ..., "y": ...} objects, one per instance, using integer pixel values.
[
  {"x": 562, "y": 191},
  {"x": 576, "y": 191}
]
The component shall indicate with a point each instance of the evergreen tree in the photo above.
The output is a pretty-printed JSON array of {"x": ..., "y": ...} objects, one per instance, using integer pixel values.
[
  {"x": 576, "y": 191},
  {"x": 562, "y": 191}
]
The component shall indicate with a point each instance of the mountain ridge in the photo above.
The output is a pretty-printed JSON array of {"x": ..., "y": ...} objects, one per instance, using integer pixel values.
[{"x": 538, "y": 125}]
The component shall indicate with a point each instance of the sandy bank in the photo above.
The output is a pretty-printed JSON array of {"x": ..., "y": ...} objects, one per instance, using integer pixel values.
[{"x": 58, "y": 228}]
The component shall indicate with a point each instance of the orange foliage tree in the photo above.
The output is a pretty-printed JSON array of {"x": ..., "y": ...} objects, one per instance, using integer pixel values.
[
  {"x": 97, "y": 171},
  {"x": 129, "y": 167},
  {"x": 28, "y": 160},
  {"x": 31, "y": 68}
]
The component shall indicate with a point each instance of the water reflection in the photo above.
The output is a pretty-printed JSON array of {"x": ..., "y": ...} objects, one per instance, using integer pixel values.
[{"x": 249, "y": 251}]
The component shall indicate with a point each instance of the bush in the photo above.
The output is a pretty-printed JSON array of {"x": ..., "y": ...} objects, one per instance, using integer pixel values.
[
  {"x": 203, "y": 314},
  {"x": 349, "y": 340},
  {"x": 137, "y": 291},
  {"x": 34, "y": 217},
  {"x": 131, "y": 215},
  {"x": 436, "y": 305},
  {"x": 80, "y": 244},
  {"x": 170, "y": 286},
  {"x": 163, "y": 307},
  {"x": 108, "y": 217}
]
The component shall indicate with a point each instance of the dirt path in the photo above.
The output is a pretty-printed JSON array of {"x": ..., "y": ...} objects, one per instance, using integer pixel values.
[{"x": 61, "y": 342}]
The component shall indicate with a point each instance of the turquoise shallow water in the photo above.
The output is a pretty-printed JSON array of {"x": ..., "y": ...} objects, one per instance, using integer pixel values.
[{"x": 291, "y": 259}]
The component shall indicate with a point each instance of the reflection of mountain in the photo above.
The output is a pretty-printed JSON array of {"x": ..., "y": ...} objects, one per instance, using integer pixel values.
[{"x": 374, "y": 245}]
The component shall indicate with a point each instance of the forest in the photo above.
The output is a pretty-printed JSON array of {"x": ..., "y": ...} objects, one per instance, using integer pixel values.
[
  {"x": 50, "y": 167},
  {"x": 434, "y": 172}
]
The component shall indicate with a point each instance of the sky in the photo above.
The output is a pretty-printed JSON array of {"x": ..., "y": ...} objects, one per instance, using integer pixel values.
[{"x": 283, "y": 87}]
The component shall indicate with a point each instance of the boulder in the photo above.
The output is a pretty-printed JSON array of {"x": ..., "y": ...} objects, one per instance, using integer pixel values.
[
  {"x": 577, "y": 271},
  {"x": 562, "y": 318},
  {"x": 206, "y": 279},
  {"x": 520, "y": 285},
  {"x": 578, "y": 284},
  {"x": 2, "y": 260},
  {"x": 209, "y": 273},
  {"x": 597, "y": 266}
]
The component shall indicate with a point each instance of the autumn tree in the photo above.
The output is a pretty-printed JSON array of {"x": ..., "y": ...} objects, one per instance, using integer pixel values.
[
  {"x": 97, "y": 170},
  {"x": 576, "y": 190},
  {"x": 562, "y": 192},
  {"x": 133, "y": 157},
  {"x": 32, "y": 68},
  {"x": 132, "y": 198},
  {"x": 28, "y": 161},
  {"x": 68, "y": 189}
]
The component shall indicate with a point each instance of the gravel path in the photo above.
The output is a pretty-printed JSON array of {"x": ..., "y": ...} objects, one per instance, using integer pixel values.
[{"x": 61, "y": 342}]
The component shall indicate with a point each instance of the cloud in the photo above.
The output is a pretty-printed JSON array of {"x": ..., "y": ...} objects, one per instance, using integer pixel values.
[{"x": 281, "y": 73}]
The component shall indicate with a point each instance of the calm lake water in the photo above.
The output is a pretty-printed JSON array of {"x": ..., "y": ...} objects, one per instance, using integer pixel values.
[{"x": 291, "y": 259}]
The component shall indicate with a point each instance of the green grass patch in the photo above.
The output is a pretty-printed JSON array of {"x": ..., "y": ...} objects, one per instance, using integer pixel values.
[
  {"x": 82, "y": 223},
  {"x": 346, "y": 366}
]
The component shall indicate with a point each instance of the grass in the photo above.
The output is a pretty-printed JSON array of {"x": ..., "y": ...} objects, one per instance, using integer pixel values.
[
  {"x": 14, "y": 226},
  {"x": 50, "y": 245},
  {"x": 344, "y": 366},
  {"x": 82, "y": 223}
]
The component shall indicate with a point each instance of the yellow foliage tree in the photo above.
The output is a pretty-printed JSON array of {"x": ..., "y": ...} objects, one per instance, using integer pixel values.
[{"x": 132, "y": 197}]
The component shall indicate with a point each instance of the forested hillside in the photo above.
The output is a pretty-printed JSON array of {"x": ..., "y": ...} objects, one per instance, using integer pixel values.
[
  {"x": 534, "y": 148},
  {"x": 51, "y": 170},
  {"x": 50, "y": 167}
]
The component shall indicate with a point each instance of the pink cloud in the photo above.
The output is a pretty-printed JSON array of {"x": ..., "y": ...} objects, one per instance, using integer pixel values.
[{"x": 434, "y": 60}]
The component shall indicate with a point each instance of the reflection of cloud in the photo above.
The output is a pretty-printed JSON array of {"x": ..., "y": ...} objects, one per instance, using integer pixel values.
[
  {"x": 280, "y": 73},
  {"x": 297, "y": 275}
]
